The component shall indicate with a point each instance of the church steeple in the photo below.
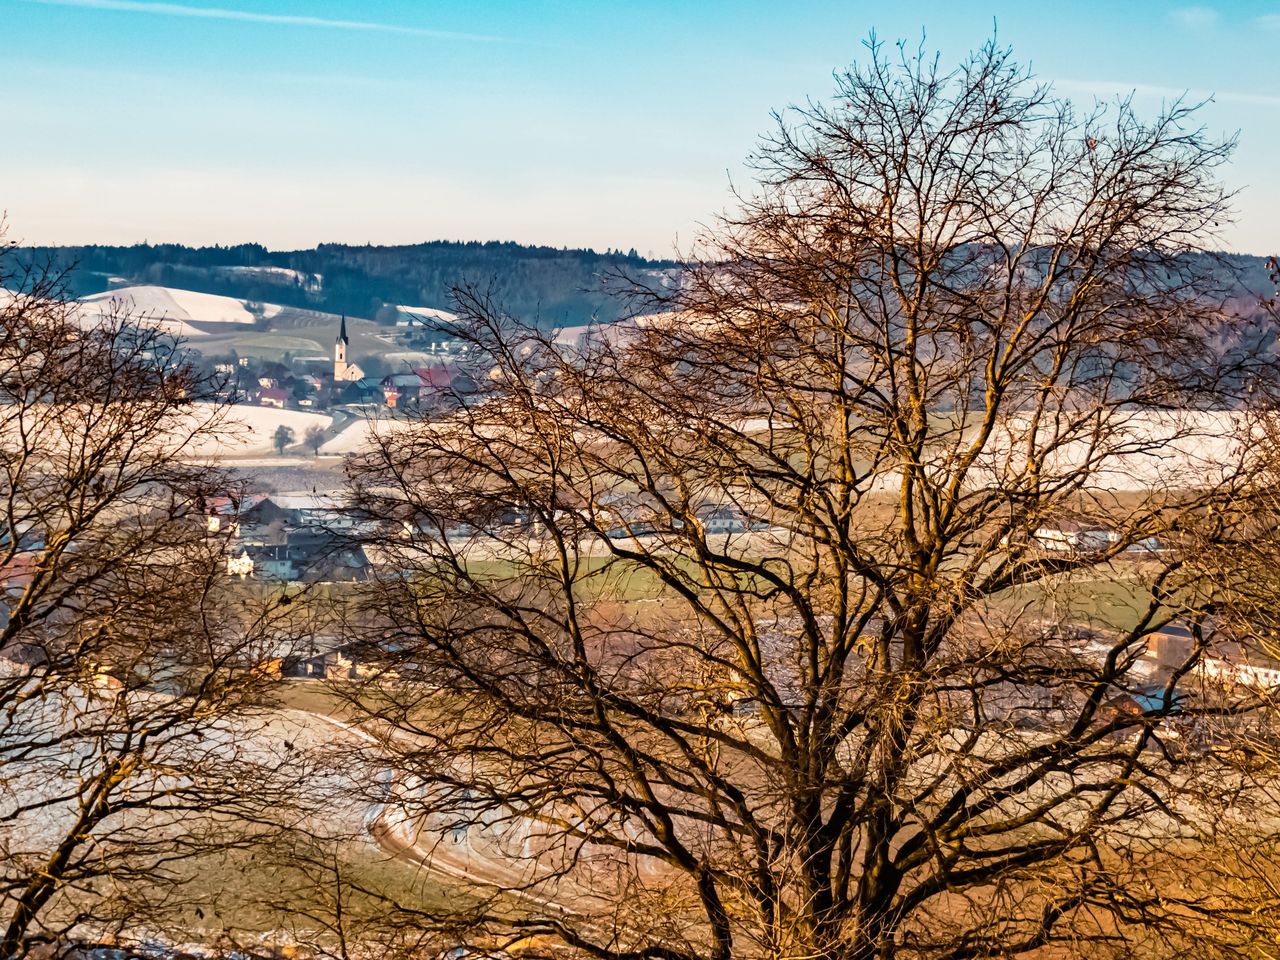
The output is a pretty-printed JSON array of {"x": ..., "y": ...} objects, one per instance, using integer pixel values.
[{"x": 340, "y": 365}]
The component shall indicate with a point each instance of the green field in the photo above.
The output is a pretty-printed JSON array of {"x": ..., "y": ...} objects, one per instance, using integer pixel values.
[
  {"x": 291, "y": 883},
  {"x": 1104, "y": 603},
  {"x": 266, "y": 346},
  {"x": 279, "y": 341},
  {"x": 1109, "y": 599}
]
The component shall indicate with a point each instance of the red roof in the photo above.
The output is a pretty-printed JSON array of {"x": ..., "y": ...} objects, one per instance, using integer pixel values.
[
  {"x": 436, "y": 375},
  {"x": 19, "y": 571}
]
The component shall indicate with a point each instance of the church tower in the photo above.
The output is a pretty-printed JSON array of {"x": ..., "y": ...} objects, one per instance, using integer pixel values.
[
  {"x": 344, "y": 371},
  {"x": 340, "y": 352}
]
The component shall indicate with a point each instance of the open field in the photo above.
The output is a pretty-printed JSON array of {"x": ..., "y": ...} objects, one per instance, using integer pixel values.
[
  {"x": 274, "y": 881},
  {"x": 1115, "y": 602},
  {"x": 1149, "y": 452},
  {"x": 216, "y": 325},
  {"x": 186, "y": 309},
  {"x": 286, "y": 889},
  {"x": 250, "y": 430},
  {"x": 263, "y": 344}
]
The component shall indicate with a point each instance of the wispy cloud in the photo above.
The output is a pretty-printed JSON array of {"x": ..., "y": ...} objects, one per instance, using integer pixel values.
[
  {"x": 247, "y": 16},
  {"x": 1269, "y": 21},
  {"x": 1107, "y": 88},
  {"x": 1194, "y": 16}
]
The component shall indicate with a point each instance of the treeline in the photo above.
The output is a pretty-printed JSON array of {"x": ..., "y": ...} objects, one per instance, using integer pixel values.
[{"x": 557, "y": 286}]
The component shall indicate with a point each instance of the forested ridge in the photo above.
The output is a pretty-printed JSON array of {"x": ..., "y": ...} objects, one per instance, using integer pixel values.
[
  {"x": 559, "y": 286},
  {"x": 547, "y": 285}
]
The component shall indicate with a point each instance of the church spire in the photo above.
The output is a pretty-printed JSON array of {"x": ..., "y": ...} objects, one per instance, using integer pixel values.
[{"x": 341, "y": 369}]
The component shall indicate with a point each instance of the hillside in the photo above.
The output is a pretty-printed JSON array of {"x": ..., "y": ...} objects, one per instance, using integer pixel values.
[
  {"x": 560, "y": 287},
  {"x": 219, "y": 326},
  {"x": 183, "y": 306}
]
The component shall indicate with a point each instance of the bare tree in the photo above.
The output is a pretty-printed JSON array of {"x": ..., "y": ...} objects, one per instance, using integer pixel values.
[
  {"x": 130, "y": 675},
  {"x": 314, "y": 438},
  {"x": 258, "y": 311},
  {"x": 282, "y": 437},
  {"x": 816, "y": 613}
]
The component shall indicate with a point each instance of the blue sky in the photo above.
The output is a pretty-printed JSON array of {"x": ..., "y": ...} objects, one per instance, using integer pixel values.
[{"x": 602, "y": 124}]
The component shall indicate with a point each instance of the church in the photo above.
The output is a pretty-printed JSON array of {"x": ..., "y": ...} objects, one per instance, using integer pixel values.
[{"x": 343, "y": 370}]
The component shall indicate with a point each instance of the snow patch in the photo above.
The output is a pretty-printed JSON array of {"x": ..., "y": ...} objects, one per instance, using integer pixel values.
[
  {"x": 174, "y": 309},
  {"x": 360, "y": 436},
  {"x": 250, "y": 430},
  {"x": 423, "y": 314}
]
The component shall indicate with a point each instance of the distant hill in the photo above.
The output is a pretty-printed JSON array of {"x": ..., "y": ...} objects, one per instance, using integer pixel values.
[
  {"x": 221, "y": 326},
  {"x": 183, "y": 306},
  {"x": 560, "y": 287},
  {"x": 557, "y": 287}
]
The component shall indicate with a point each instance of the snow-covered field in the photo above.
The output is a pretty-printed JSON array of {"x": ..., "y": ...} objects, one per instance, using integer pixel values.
[
  {"x": 1141, "y": 451},
  {"x": 199, "y": 432},
  {"x": 359, "y": 436},
  {"x": 1164, "y": 450},
  {"x": 398, "y": 357},
  {"x": 1146, "y": 451},
  {"x": 175, "y": 309},
  {"x": 250, "y": 430},
  {"x": 425, "y": 314}
]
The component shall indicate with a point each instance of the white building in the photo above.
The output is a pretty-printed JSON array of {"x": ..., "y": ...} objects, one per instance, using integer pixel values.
[
  {"x": 343, "y": 370},
  {"x": 1073, "y": 536}
]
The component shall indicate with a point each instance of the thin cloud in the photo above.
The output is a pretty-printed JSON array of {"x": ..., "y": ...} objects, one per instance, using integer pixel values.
[
  {"x": 1269, "y": 21},
  {"x": 1105, "y": 88},
  {"x": 245, "y": 16},
  {"x": 1195, "y": 16}
]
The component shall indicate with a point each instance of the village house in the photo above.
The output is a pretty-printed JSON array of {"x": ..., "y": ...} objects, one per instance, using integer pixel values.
[
  {"x": 223, "y": 514},
  {"x": 1075, "y": 536},
  {"x": 1170, "y": 645},
  {"x": 723, "y": 518},
  {"x": 273, "y": 562},
  {"x": 289, "y": 537},
  {"x": 276, "y": 397},
  {"x": 420, "y": 385},
  {"x": 261, "y": 511},
  {"x": 325, "y": 657},
  {"x": 1225, "y": 658},
  {"x": 365, "y": 391}
]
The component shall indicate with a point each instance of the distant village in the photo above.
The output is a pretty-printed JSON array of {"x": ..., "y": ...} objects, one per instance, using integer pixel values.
[
  {"x": 288, "y": 538},
  {"x": 318, "y": 383},
  {"x": 312, "y": 538}
]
